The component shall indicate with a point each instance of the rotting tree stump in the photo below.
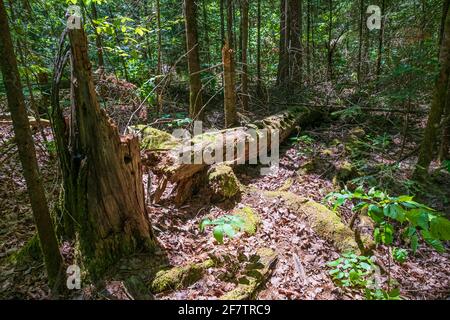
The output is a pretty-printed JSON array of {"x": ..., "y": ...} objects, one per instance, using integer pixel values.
[{"x": 102, "y": 174}]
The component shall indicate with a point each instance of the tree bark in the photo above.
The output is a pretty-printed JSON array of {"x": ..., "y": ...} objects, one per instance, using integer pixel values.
[
  {"x": 229, "y": 86},
  {"x": 427, "y": 146},
  {"x": 27, "y": 153},
  {"x": 101, "y": 171},
  {"x": 195, "y": 96},
  {"x": 330, "y": 38}
]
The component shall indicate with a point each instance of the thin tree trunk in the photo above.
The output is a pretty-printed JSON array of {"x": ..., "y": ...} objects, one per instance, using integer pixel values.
[
  {"x": 308, "y": 44},
  {"x": 296, "y": 50},
  {"x": 159, "y": 63},
  {"x": 222, "y": 23},
  {"x": 445, "y": 140},
  {"x": 330, "y": 39},
  {"x": 229, "y": 86},
  {"x": 244, "y": 20},
  {"x": 27, "y": 153},
  {"x": 380, "y": 39},
  {"x": 98, "y": 39},
  {"x": 195, "y": 96},
  {"x": 230, "y": 24},
  {"x": 205, "y": 27},
  {"x": 427, "y": 147},
  {"x": 258, "y": 51},
  {"x": 360, "y": 42},
  {"x": 283, "y": 58}
]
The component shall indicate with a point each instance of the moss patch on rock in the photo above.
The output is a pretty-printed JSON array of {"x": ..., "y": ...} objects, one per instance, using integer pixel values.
[{"x": 179, "y": 277}]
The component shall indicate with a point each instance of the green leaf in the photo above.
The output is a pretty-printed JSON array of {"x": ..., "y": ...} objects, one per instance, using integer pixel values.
[
  {"x": 229, "y": 230},
  {"x": 375, "y": 213},
  {"x": 218, "y": 233},
  {"x": 395, "y": 212},
  {"x": 440, "y": 228},
  {"x": 418, "y": 218}
]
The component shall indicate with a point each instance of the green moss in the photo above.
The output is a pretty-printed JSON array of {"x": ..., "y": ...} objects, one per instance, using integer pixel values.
[
  {"x": 251, "y": 219},
  {"x": 223, "y": 181},
  {"x": 154, "y": 139},
  {"x": 30, "y": 251},
  {"x": 179, "y": 277},
  {"x": 326, "y": 223}
]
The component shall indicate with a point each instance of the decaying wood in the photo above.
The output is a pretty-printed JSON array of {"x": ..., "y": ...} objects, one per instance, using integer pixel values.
[
  {"x": 267, "y": 261},
  {"x": 103, "y": 191},
  {"x": 166, "y": 164}
]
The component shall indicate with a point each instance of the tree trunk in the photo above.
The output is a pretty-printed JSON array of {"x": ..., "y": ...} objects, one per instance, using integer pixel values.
[
  {"x": 195, "y": 96},
  {"x": 205, "y": 27},
  {"x": 98, "y": 39},
  {"x": 229, "y": 36},
  {"x": 296, "y": 50},
  {"x": 229, "y": 86},
  {"x": 244, "y": 20},
  {"x": 101, "y": 171},
  {"x": 308, "y": 34},
  {"x": 427, "y": 147},
  {"x": 445, "y": 141},
  {"x": 330, "y": 38},
  {"x": 49, "y": 245},
  {"x": 222, "y": 23},
  {"x": 283, "y": 58},
  {"x": 258, "y": 51},
  {"x": 380, "y": 40},
  {"x": 159, "y": 64},
  {"x": 360, "y": 42}
]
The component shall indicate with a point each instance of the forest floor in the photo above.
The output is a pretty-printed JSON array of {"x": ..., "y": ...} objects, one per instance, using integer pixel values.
[{"x": 307, "y": 163}]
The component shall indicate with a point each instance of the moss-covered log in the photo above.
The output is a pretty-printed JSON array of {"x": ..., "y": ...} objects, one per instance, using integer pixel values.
[
  {"x": 167, "y": 162},
  {"x": 326, "y": 223},
  {"x": 179, "y": 277},
  {"x": 245, "y": 291}
]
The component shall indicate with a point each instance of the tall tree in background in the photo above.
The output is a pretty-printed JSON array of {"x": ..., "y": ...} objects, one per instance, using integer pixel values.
[
  {"x": 244, "y": 32},
  {"x": 295, "y": 42},
  {"x": 258, "y": 50},
  {"x": 360, "y": 39},
  {"x": 98, "y": 38},
  {"x": 159, "y": 63},
  {"x": 283, "y": 49},
  {"x": 27, "y": 153},
  {"x": 195, "y": 96},
  {"x": 429, "y": 141},
  {"x": 229, "y": 71},
  {"x": 381, "y": 38}
]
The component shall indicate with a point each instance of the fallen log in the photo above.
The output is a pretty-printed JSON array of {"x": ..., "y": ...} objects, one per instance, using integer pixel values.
[
  {"x": 326, "y": 223},
  {"x": 181, "y": 161}
]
